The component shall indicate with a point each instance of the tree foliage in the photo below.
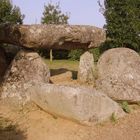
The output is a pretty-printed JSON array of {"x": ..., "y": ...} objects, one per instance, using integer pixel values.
[
  {"x": 123, "y": 23},
  {"x": 75, "y": 54},
  {"x": 53, "y": 15},
  {"x": 10, "y": 13}
]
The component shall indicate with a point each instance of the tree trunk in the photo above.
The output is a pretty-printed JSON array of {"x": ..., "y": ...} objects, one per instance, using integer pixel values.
[
  {"x": 51, "y": 55},
  {"x": 66, "y": 37}
]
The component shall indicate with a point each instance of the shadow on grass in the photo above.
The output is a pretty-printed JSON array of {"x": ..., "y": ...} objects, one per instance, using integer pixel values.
[
  {"x": 8, "y": 131},
  {"x": 63, "y": 70}
]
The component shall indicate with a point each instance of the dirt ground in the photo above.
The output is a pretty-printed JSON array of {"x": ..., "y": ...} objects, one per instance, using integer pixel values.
[{"x": 32, "y": 123}]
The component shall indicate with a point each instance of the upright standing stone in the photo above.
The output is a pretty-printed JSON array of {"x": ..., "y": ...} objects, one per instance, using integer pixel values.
[
  {"x": 26, "y": 70},
  {"x": 86, "y": 68}
]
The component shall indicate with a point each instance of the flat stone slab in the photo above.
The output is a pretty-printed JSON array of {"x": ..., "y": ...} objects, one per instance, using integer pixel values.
[
  {"x": 84, "y": 105},
  {"x": 65, "y": 37}
]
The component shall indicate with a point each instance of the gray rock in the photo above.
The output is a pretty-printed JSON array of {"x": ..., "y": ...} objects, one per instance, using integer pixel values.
[
  {"x": 86, "y": 68},
  {"x": 119, "y": 74},
  {"x": 85, "y": 105},
  {"x": 26, "y": 70},
  {"x": 51, "y": 36},
  {"x": 63, "y": 77}
]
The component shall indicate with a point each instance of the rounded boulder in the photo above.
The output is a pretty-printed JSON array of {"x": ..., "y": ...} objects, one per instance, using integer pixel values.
[
  {"x": 119, "y": 74},
  {"x": 26, "y": 70}
]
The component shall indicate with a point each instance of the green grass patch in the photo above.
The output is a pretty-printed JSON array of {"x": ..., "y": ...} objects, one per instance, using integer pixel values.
[
  {"x": 61, "y": 66},
  {"x": 125, "y": 106},
  {"x": 67, "y": 64},
  {"x": 113, "y": 118}
]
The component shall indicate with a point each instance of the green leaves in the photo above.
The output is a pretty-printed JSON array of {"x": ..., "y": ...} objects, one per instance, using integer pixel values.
[
  {"x": 125, "y": 107},
  {"x": 10, "y": 14},
  {"x": 53, "y": 15},
  {"x": 123, "y": 23}
]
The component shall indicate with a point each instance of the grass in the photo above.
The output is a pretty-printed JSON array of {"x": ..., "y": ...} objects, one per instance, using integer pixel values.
[
  {"x": 113, "y": 118},
  {"x": 61, "y": 66},
  {"x": 67, "y": 64},
  {"x": 125, "y": 106}
]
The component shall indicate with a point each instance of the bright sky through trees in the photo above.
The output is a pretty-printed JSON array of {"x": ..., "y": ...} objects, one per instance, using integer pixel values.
[{"x": 81, "y": 11}]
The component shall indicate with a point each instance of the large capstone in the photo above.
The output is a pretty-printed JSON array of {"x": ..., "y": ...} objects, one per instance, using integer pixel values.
[
  {"x": 119, "y": 74},
  {"x": 51, "y": 36},
  {"x": 26, "y": 70},
  {"x": 85, "y": 105},
  {"x": 86, "y": 68}
]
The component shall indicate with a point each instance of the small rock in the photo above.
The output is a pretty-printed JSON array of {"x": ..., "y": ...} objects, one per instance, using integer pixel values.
[{"x": 64, "y": 77}]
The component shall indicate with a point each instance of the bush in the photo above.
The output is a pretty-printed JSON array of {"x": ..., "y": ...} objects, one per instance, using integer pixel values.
[
  {"x": 113, "y": 118},
  {"x": 75, "y": 54},
  {"x": 57, "y": 54},
  {"x": 125, "y": 106},
  {"x": 72, "y": 55},
  {"x": 96, "y": 53},
  {"x": 60, "y": 54}
]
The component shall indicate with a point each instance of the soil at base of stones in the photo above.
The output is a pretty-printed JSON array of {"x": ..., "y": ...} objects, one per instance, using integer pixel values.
[{"x": 32, "y": 123}]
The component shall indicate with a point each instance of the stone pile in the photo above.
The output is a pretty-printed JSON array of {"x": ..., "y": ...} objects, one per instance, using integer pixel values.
[{"x": 28, "y": 77}]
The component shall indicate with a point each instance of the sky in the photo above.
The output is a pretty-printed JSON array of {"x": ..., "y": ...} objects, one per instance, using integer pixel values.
[{"x": 83, "y": 12}]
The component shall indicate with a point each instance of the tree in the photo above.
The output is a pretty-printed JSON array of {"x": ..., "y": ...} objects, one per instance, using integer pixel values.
[
  {"x": 53, "y": 15},
  {"x": 10, "y": 13},
  {"x": 122, "y": 23}
]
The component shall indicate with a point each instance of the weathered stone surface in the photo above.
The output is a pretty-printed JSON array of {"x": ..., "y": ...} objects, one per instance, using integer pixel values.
[
  {"x": 52, "y": 36},
  {"x": 26, "y": 70},
  {"x": 85, "y": 105},
  {"x": 119, "y": 74},
  {"x": 64, "y": 77},
  {"x": 3, "y": 63},
  {"x": 86, "y": 68}
]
